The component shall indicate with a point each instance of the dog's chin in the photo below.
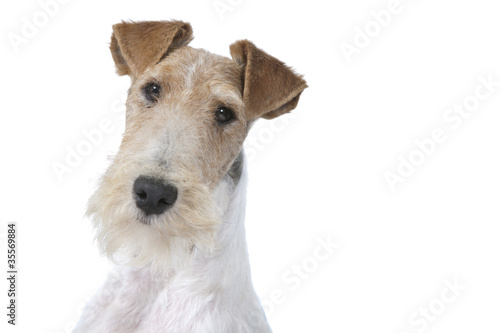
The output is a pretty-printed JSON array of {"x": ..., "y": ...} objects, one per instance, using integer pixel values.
[{"x": 133, "y": 243}]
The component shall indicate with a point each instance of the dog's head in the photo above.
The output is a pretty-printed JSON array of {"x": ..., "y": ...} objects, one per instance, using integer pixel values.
[{"x": 188, "y": 113}]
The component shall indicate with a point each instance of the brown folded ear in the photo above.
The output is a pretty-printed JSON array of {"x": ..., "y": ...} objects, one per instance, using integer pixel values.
[
  {"x": 270, "y": 87},
  {"x": 136, "y": 46}
]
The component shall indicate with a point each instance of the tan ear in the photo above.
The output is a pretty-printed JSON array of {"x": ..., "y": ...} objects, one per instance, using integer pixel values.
[
  {"x": 270, "y": 87},
  {"x": 136, "y": 46}
]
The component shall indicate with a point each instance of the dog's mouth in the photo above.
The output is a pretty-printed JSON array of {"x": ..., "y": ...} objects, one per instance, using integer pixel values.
[
  {"x": 143, "y": 219},
  {"x": 152, "y": 219}
]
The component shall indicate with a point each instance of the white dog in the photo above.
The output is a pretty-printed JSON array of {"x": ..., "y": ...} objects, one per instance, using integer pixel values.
[{"x": 170, "y": 209}]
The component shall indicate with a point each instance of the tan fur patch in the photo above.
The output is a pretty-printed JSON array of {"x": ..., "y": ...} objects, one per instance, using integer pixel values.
[
  {"x": 136, "y": 46},
  {"x": 271, "y": 87}
]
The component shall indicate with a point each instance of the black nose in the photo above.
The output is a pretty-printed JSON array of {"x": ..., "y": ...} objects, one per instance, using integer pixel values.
[{"x": 153, "y": 196}]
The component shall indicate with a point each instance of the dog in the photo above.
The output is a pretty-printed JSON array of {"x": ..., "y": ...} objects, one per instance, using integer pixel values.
[{"x": 169, "y": 211}]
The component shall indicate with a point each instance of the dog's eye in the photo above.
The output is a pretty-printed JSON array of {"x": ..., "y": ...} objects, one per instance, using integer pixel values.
[
  {"x": 152, "y": 91},
  {"x": 223, "y": 115}
]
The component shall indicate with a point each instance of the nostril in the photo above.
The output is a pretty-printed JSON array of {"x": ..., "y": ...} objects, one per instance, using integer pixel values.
[
  {"x": 141, "y": 195},
  {"x": 163, "y": 202}
]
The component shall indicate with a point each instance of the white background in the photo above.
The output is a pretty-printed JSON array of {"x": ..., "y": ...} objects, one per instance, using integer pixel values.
[{"x": 317, "y": 174}]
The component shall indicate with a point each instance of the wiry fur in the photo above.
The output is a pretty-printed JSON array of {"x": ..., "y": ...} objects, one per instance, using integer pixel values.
[
  {"x": 165, "y": 241},
  {"x": 185, "y": 270}
]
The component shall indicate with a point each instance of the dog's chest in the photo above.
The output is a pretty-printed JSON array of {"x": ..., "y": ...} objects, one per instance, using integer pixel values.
[{"x": 144, "y": 304}]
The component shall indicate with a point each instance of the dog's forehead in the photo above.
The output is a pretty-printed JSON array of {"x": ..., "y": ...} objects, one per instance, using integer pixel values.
[{"x": 197, "y": 66}]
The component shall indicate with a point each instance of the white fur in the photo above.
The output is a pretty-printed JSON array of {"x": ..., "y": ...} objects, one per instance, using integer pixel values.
[{"x": 213, "y": 294}]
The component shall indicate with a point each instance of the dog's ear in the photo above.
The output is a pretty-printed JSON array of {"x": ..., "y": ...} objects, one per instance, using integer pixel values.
[
  {"x": 270, "y": 87},
  {"x": 136, "y": 46}
]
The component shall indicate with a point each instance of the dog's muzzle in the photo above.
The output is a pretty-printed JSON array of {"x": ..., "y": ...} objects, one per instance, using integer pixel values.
[{"x": 153, "y": 196}]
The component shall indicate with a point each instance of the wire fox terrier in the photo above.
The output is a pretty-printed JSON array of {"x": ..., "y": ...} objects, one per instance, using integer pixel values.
[{"x": 170, "y": 209}]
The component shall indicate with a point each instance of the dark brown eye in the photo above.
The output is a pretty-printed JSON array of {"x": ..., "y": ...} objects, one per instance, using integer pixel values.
[
  {"x": 223, "y": 115},
  {"x": 152, "y": 91}
]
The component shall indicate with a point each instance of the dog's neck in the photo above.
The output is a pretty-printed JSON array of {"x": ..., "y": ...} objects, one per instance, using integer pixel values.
[{"x": 230, "y": 256}]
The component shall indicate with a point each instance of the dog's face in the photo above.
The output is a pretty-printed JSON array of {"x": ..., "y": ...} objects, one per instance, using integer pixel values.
[{"x": 188, "y": 113}]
